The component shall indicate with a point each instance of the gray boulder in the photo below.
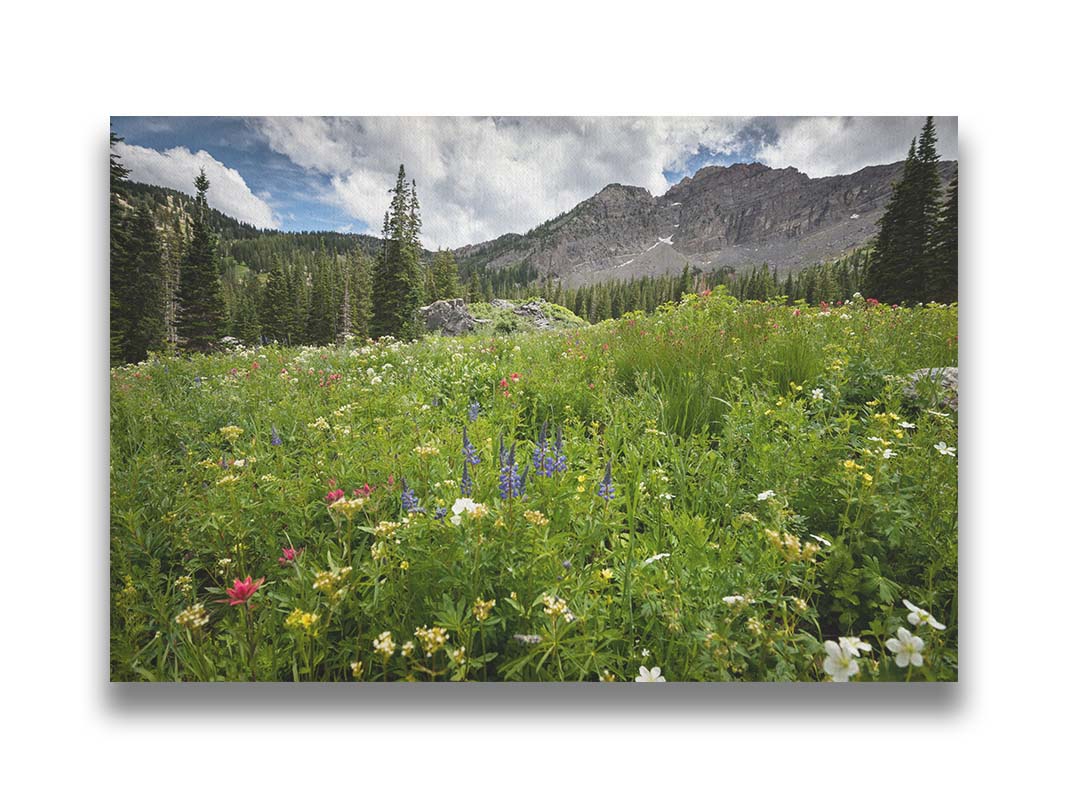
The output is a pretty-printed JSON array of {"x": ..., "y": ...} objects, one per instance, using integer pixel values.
[
  {"x": 533, "y": 312},
  {"x": 450, "y": 317},
  {"x": 936, "y": 386}
]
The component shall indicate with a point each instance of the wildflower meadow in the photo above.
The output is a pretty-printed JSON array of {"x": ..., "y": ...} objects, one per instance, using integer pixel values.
[{"x": 719, "y": 491}]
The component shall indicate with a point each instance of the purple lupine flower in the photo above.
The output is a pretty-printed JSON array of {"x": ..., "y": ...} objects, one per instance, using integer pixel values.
[
  {"x": 606, "y": 490},
  {"x": 559, "y": 461},
  {"x": 542, "y": 461},
  {"x": 408, "y": 501},
  {"x": 196, "y": 380},
  {"x": 469, "y": 453},
  {"x": 275, "y": 439},
  {"x": 440, "y": 513},
  {"x": 472, "y": 411},
  {"x": 466, "y": 485},
  {"x": 520, "y": 487},
  {"x": 509, "y": 477}
]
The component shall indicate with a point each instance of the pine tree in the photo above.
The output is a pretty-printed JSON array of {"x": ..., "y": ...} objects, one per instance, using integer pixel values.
[
  {"x": 398, "y": 277},
  {"x": 944, "y": 273},
  {"x": 903, "y": 251},
  {"x": 362, "y": 292},
  {"x": 445, "y": 281},
  {"x": 143, "y": 305},
  {"x": 245, "y": 319},
  {"x": 274, "y": 300},
  {"x": 200, "y": 304},
  {"x": 118, "y": 252}
]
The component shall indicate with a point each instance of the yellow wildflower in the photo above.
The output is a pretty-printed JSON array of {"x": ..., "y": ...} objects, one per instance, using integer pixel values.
[
  {"x": 535, "y": 518},
  {"x": 231, "y": 432},
  {"x": 348, "y": 506},
  {"x": 431, "y": 639},
  {"x": 330, "y": 582},
  {"x": 301, "y": 619},
  {"x": 384, "y": 644},
  {"x": 193, "y": 617},
  {"x": 482, "y": 609}
]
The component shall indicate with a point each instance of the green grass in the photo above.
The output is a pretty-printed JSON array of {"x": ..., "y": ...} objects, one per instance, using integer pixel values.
[{"x": 700, "y": 409}]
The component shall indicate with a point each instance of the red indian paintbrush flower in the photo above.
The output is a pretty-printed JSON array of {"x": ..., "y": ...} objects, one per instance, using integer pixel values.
[
  {"x": 243, "y": 590},
  {"x": 334, "y": 496},
  {"x": 289, "y": 555}
]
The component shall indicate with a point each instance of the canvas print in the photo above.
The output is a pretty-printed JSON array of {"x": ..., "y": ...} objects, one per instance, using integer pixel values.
[{"x": 538, "y": 399}]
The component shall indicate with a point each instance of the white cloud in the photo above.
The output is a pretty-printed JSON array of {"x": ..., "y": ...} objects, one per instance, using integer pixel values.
[
  {"x": 177, "y": 168},
  {"x": 479, "y": 177},
  {"x": 821, "y": 146}
]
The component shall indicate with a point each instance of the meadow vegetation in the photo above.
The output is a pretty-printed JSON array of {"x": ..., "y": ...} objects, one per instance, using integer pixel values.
[{"x": 721, "y": 490}]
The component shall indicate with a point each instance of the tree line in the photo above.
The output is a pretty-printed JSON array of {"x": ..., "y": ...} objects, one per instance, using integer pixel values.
[
  {"x": 177, "y": 284},
  {"x": 185, "y": 276}
]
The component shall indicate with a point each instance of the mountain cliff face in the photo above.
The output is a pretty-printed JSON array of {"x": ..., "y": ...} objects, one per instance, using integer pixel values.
[{"x": 734, "y": 216}]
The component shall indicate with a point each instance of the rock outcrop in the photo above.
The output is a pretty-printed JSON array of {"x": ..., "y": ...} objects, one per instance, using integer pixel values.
[
  {"x": 938, "y": 386},
  {"x": 453, "y": 318},
  {"x": 450, "y": 317}
]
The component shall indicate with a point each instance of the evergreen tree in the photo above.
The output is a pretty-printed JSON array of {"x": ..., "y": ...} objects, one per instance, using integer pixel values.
[
  {"x": 118, "y": 251},
  {"x": 476, "y": 293},
  {"x": 245, "y": 318},
  {"x": 398, "y": 277},
  {"x": 362, "y": 288},
  {"x": 275, "y": 299},
  {"x": 944, "y": 273},
  {"x": 903, "y": 251},
  {"x": 200, "y": 303},
  {"x": 445, "y": 277},
  {"x": 320, "y": 323},
  {"x": 142, "y": 304}
]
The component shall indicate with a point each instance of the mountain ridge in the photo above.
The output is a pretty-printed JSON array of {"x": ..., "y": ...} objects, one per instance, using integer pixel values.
[{"x": 722, "y": 216}]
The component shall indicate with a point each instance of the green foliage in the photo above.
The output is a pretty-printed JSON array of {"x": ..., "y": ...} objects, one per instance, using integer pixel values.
[{"x": 743, "y": 534}]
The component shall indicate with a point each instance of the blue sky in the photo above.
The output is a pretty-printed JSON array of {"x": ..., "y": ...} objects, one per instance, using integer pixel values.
[
  {"x": 295, "y": 194},
  {"x": 478, "y": 178}
]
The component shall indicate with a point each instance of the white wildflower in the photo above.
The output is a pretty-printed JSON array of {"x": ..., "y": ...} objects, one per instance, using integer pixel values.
[
  {"x": 838, "y": 663},
  {"x": 853, "y": 644},
  {"x": 945, "y": 450},
  {"x": 650, "y": 676},
  {"x": 907, "y": 647},
  {"x": 920, "y": 616}
]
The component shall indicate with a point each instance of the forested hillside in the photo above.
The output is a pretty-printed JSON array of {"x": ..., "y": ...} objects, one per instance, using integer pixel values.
[{"x": 322, "y": 287}]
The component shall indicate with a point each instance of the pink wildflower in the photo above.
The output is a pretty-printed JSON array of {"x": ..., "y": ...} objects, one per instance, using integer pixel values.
[{"x": 243, "y": 590}]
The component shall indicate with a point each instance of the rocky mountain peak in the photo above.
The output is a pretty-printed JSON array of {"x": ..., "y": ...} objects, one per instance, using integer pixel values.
[{"x": 736, "y": 216}]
